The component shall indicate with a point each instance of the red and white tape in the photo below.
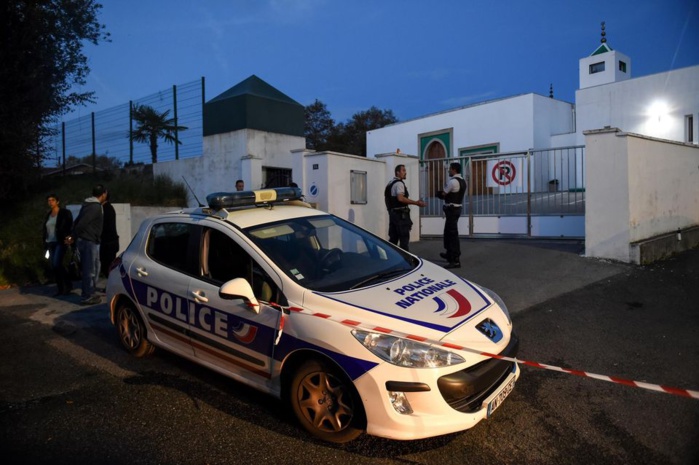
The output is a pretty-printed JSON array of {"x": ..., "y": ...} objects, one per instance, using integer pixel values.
[{"x": 612, "y": 379}]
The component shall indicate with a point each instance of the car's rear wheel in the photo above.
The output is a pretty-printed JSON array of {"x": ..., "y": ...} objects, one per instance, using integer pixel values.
[
  {"x": 325, "y": 402},
  {"x": 132, "y": 331}
]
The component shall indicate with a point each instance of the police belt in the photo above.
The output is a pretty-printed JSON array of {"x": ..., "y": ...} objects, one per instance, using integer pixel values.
[
  {"x": 401, "y": 209},
  {"x": 455, "y": 205}
]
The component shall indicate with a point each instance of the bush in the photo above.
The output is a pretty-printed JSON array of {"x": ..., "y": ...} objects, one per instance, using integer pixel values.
[{"x": 22, "y": 259}]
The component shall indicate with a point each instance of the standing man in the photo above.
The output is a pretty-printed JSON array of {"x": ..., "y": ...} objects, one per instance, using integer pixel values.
[
  {"x": 87, "y": 231},
  {"x": 397, "y": 202},
  {"x": 239, "y": 185},
  {"x": 109, "y": 241},
  {"x": 453, "y": 196}
]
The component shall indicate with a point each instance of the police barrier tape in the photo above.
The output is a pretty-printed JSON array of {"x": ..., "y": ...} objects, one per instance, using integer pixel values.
[{"x": 612, "y": 379}]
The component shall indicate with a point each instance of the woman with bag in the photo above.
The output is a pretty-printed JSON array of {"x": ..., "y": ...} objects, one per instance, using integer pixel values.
[{"x": 58, "y": 224}]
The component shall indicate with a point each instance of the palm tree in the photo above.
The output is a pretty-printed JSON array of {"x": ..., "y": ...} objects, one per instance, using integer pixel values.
[{"x": 152, "y": 125}]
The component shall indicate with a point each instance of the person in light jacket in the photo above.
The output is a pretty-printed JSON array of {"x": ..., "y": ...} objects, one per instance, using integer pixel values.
[{"x": 57, "y": 226}]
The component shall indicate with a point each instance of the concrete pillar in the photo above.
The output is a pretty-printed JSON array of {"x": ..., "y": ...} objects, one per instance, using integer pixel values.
[
  {"x": 298, "y": 168},
  {"x": 251, "y": 171}
]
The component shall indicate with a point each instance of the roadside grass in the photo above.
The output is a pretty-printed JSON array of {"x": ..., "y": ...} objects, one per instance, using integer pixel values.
[{"x": 22, "y": 259}]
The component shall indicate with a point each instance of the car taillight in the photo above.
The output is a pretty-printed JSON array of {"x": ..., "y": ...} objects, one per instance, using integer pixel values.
[{"x": 115, "y": 264}]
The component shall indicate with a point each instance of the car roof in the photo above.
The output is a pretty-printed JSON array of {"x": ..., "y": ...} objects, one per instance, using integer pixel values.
[
  {"x": 251, "y": 208},
  {"x": 250, "y": 216}
]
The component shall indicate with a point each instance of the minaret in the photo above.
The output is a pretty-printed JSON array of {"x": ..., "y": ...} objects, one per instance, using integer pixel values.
[{"x": 604, "y": 65}]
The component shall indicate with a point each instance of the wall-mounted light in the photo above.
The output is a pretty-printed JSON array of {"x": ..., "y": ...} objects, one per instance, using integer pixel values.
[{"x": 658, "y": 121}]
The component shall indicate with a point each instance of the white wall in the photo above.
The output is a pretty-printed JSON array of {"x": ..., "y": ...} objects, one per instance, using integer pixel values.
[
  {"x": 326, "y": 183},
  {"x": 533, "y": 121},
  {"x": 552, "y": 118},
  {"x": 332, "y": 186},
  {"x": 637, "y": 188},
  {"x": 664, "y": 187},
  {"x": 611, "y": 72},
  {"x": 516, "y": 123},
  {"x": 627, "y": 104},
  {"x": 228, "y": 157}
]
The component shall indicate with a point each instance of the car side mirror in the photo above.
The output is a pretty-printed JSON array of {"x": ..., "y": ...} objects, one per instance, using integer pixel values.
[{"x": 239, "y": 288}]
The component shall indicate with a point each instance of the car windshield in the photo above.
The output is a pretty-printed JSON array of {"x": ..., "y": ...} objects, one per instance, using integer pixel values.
[{"x": 326, "y": 253}]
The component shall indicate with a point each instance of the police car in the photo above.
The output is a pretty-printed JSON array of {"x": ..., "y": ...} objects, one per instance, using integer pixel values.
[{"x": 354, "y": 333}]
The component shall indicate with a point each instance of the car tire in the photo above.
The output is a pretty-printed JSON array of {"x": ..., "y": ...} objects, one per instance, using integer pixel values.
[
  {"x": 132, "y": 331},
  {"x": 326, "y": 403}
]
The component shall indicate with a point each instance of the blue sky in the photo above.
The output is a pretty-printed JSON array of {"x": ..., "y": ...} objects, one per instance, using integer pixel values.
[{"x": 412, "y": 57}]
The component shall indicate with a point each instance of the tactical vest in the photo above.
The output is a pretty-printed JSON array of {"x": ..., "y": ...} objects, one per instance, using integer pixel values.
[
  {"x": 391, "y": 200},
  {"x": 457, "y": 198}
]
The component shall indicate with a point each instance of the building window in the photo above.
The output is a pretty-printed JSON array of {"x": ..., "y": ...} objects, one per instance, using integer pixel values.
[
  {"x": 275, "y": 177},
  {"x": 597, "y": 67},
  {"x": 622, "y": 66},
  {"x": 358, "y": 187},
  {"x": 689, "y": 127}
]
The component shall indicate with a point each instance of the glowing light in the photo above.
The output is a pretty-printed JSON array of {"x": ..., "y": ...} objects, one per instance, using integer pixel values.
[
  {"x": 658, "y": 110},
  {"x": 659, "y": 120}
]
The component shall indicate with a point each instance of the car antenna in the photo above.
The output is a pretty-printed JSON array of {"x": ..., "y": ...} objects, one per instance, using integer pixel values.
[{"x": 192, "y": 191}]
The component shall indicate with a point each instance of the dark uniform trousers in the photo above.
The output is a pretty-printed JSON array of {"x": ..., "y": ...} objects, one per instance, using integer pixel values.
[
  {"x": 451, "y": 233},
  {"x": 399, "y": 226}
]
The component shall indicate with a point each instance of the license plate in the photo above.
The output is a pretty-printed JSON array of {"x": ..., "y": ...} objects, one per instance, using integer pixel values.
[{"x": 500, "y": 397}]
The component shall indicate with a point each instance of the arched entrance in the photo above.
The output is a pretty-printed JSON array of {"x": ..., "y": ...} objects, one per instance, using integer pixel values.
[{"x": 436, "y": 173}]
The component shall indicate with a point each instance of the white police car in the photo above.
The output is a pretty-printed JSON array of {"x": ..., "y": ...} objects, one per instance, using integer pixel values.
[{"x": 355, "y": 333}]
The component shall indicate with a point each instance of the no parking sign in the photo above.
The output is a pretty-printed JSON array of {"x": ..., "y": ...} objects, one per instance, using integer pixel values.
[{"x": 505, "y": 174}]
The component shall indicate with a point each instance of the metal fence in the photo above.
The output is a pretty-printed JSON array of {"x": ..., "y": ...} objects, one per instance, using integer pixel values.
[
  {"x": 107, "y": 132},
  {"x": 535, "y": 183}
]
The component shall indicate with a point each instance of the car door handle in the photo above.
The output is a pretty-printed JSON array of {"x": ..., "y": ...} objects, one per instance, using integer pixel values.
[
  {"x": 200, "y": 296},
  {"x": 142, "y": 271}
]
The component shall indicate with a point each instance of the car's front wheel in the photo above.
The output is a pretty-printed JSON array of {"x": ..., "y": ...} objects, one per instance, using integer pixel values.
[
  {"x": 132, "y": 331},
  {"x": 326, "y": 403}
]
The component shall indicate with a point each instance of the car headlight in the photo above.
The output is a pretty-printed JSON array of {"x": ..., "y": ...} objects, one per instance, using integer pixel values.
[
  {"x": 405, "y": 352},
  {"x": 500, "y": 303}
]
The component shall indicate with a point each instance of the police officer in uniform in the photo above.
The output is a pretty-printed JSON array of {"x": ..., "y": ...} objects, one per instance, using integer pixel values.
[
  {"x": 453, "y": 196},
  {"x": 397, "y": 202}
]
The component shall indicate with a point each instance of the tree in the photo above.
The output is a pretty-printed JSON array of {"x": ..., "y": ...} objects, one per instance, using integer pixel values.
[
  {"x": 323, "y": 134},
  {"x": 152, "y": 125},
  {"x": 318, "y": 126},
  {"x": 354, "y": 131},
  {"x": 42, "y": 59}
]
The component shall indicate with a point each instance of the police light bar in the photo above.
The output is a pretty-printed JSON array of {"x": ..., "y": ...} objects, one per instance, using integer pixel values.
[{"x": 222, "y": 200}]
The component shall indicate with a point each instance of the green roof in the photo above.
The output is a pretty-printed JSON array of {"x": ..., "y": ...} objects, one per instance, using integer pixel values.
[
  {"x": 604, "y": 48},
  {"x": 255, "y": 86},
  {"x": 253, "y": 104}
]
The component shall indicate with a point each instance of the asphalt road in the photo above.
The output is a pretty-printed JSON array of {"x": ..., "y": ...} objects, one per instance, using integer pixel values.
[{"x": 69, "y": 394}]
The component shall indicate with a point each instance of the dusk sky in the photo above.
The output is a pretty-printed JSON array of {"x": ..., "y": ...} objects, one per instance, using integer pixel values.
[{"x": 412, "y": 57}]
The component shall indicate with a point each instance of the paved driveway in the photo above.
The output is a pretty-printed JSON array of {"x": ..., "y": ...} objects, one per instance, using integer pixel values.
[{"x": 69, "y": 393}]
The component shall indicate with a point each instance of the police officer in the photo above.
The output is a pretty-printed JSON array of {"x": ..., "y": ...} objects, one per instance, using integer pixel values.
[
  {"x": 453, "y": 196},
  {"x": 397, "y": 202}
]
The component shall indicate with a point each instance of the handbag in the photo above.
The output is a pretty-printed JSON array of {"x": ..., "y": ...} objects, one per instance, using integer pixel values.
[{"x": 74, "y": 265}]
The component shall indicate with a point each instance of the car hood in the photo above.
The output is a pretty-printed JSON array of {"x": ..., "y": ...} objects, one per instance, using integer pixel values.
[{"x": 429, "y": 301}]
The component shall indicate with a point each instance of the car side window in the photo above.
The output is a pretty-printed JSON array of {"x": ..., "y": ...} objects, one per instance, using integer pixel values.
[
  {"x": 168, "y": 244},
  {"x": 222, "y": 259}
]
